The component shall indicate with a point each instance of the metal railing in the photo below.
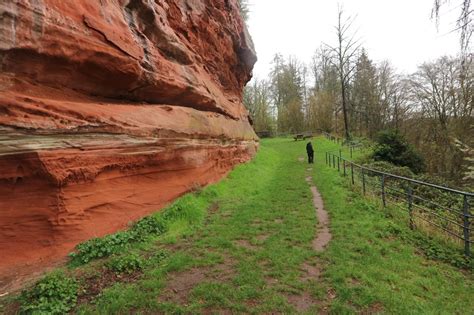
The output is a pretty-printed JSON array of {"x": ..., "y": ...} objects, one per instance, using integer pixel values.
[
  {"x": 427, "y": 204},
  {"x": 352, "y": 146}
]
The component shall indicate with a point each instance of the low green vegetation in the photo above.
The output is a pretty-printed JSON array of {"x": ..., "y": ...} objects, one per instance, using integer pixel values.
[
  {"x": 126, "y": 264},
  {"x": 187, "y": 210},
  {"x": 54, "y": 294},
  {"x": 244, "y": 245}
]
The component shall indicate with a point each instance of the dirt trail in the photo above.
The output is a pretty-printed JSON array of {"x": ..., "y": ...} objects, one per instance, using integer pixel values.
[{"x": 323, "y": 235}]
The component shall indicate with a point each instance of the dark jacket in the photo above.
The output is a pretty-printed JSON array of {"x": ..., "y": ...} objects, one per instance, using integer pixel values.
[{"x": 309, "y": 148}]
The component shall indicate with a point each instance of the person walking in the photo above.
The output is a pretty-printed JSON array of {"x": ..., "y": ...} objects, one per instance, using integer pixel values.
[{"x": 310, "y": 152}]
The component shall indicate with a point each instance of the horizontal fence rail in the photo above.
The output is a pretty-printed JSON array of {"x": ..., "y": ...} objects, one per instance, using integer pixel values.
[{"x": 428, "y": 205}]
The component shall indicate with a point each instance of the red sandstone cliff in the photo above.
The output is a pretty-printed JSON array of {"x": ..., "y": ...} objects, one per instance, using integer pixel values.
[{"x": 109, "y": 109}]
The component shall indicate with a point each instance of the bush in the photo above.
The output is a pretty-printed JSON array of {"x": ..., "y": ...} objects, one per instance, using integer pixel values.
[
  {"x": 392, "y": 147},
  {"x": 54, "y": 294},
  {"x": 388, "y": 167},
  {"x": 126, "y": 264}
]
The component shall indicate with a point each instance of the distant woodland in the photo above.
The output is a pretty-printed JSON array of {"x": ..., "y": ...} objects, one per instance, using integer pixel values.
[{"x": 343, "y": 91}]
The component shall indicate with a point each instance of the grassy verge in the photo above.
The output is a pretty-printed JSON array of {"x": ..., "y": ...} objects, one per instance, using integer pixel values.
[
  {"x": 374, "y": 267},
  {"x": 244, "y": 245}
]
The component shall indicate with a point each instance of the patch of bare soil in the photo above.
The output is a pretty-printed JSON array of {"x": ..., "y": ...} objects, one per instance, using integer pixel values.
[
  {"x": 26, "y": 275},
  {"x": 224, "y": 271},
  {"x": 302, "y": 302},
  {"x": 226, "y": 214},
  {"x": 375, "y": 308},
  {"x": 271, "y": 281},
  {"x": 301, "y": 158},
  {"x": 263, "y": 237},
  {"x": 245, "y": 244},
  {"x": 354, "y": 282},
  {"x": 213, "y": 209},
  {"x": 179, "y": 285},
  {"x": 251, "y": 303},
  {"x": 95, "y": 284},
  {"x": 219, "y": 311},
  {"x": 11, "y": 309},
  {"x": 310, "y": 272}
]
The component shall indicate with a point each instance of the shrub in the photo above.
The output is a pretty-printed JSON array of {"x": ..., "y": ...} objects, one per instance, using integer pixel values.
[
  {"x": 388, "y": 167},
  {"x": 54, "y": 294},
  {"x": 392, "y": 147}
]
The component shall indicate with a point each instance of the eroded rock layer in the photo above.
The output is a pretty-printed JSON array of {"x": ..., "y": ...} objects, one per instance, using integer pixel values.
[{"x": 109, "y": 109}]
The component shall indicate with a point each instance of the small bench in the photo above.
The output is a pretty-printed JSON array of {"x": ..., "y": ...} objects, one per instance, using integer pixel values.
[{"x": 298, "y": 137}]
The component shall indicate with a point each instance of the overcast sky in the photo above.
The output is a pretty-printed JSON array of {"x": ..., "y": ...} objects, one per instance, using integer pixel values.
[{"x": 400, "y": 31}]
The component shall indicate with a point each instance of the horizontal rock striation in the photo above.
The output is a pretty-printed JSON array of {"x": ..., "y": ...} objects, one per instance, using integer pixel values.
[{"x": 108, "y": 111}]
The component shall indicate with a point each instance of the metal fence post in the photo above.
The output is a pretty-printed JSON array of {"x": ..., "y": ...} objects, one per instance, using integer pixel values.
[
  {"x": 383, "y": 190},
  {"x": 363, "y": 181},
  {"x": 350, "y": 148},
  {"x": 465, "y": 211},
  {"x": 352, "y": 173},
  {"x": 410, "y": 206},
  {"x": 338, "y": 164},
  {"x": 333, "y": 160},
  {"x": 344, "y": 166},
  {"x": 326, "y": 158},
  {"x": 340, "y": 153}
]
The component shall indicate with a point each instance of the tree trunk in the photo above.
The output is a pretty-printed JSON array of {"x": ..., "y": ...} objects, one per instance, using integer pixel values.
[{"x": 344, "y": 111}]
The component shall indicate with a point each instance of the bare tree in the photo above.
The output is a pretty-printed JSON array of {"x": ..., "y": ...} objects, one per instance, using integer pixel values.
[
  {"x": 343, "y": 57},
  {"x": 463, "y": 23},
  {"x": 443, "y": 89}
]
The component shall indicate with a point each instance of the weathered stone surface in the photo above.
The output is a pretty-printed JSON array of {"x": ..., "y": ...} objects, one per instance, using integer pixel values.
[{"x": 109, "y": 109}]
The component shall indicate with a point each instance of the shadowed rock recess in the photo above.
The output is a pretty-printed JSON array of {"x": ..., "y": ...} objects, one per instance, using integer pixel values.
[{"x": 111, "y": 109}]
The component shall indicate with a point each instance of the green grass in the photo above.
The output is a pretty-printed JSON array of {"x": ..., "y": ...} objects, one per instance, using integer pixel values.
[
  {"x": 370, "y": 261},
  {"x": 246, "y": 241}
]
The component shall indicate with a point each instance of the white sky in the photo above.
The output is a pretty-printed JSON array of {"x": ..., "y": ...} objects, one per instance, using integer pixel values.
[{"x": 400, "y": 31}]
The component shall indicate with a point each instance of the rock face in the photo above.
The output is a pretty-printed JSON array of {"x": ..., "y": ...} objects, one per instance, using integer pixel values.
[{"x": 109, "y": 109}]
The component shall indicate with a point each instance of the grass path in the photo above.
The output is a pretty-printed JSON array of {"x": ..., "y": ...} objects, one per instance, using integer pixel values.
[
  {"x": 248, "y": 255},
  {"x": 245, "y": 245}
]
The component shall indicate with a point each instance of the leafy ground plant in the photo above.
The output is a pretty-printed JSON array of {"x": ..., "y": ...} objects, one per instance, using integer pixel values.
[
  {"x": 125, "y": 264},
  {"x": 54, "y": 294}
]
